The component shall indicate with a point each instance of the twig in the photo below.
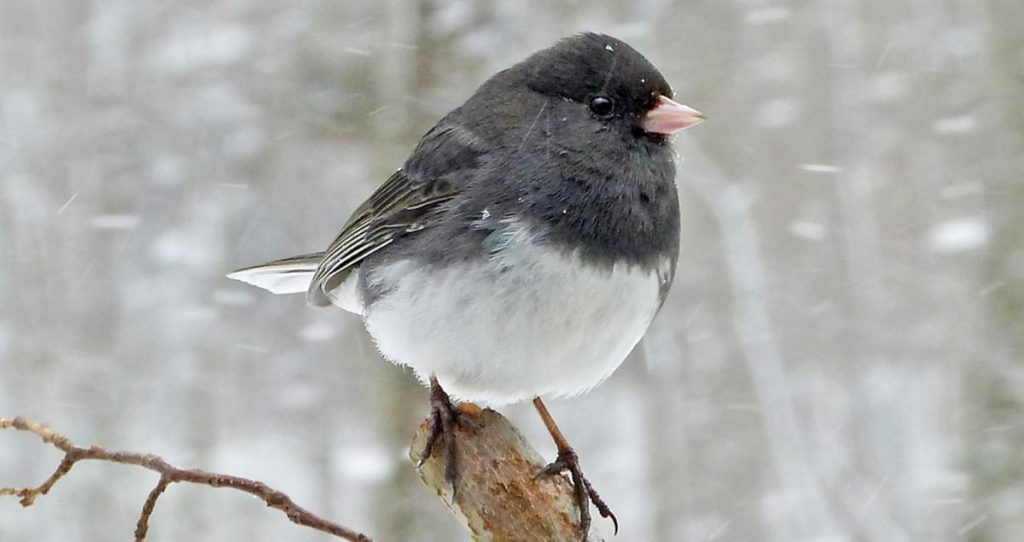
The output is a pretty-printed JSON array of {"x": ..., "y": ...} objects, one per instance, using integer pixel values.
[
  {"x": 142, "y": 527},
  {"x": 169, "y": 474}
]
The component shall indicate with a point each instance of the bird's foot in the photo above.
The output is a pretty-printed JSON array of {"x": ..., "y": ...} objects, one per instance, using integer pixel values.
[
  {"x": 585, "y": 494},
  {"x": 445, "y": 417}
]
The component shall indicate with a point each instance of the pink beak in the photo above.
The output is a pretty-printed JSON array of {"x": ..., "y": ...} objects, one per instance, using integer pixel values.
[{"x": 669, "y": 117}]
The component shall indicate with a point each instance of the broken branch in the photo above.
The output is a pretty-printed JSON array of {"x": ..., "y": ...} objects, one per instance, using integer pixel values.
[{"x": 500, "y": 497}]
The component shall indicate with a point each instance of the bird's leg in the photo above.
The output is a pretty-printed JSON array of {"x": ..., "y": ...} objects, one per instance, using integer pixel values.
[
  {"x": 444, "y": 417},
  {"x": 568, "y": 461}
]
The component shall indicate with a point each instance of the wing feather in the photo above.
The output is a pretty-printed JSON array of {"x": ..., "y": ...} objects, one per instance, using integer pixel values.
[
  {"x": 412, "y": 199},
  {"x": 404, "y": 207}
]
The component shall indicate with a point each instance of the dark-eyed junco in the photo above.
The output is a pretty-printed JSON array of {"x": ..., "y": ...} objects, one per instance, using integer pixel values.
[{"x": 527, "y": 242}]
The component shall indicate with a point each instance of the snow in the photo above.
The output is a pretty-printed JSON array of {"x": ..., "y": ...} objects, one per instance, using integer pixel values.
[
  {"x": 365, "y": 463},
  {"x": 958, "y": 235},
  {"x": 806, "y": 229},
  {"x": 820, "y": 168},
  {"x": 959, "y": 124},
  {"x": 201, "y": 44},
  {"x": 766, "y": 15},
  {"x": 837, "y": 360},
  {"x": 777, "y": 113},
  {"x": 114, "y": 221}
]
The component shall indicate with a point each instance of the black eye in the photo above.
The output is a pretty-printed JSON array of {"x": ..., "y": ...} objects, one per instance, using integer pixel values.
[{"x": 601, "y": 106}]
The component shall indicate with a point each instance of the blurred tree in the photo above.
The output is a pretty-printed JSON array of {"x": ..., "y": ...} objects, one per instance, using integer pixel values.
[{"x": 865, "y": 207}]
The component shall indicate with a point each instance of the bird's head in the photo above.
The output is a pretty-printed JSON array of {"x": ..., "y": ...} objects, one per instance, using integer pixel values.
[{"x": 609, "y": 82}]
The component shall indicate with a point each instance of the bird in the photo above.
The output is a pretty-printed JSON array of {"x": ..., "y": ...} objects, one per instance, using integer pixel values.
[{"x": 524, "y": 247}]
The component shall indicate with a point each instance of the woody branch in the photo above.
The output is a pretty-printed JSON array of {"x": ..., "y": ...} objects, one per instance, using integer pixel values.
[{"x": 169, "y": 474}]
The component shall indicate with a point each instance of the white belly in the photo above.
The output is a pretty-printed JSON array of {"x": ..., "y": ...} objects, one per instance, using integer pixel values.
[{"x": 530, "y": 323}]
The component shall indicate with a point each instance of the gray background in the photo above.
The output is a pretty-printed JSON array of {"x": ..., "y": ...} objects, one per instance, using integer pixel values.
[{"x": 840, "y": 358}]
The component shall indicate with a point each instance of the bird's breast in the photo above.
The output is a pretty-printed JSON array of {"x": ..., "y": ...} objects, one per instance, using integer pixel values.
[{"x": 529, "y": 319}]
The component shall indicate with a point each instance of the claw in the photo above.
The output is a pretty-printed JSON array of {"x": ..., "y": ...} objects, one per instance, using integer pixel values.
[
  {"x": 444, "y": 418},
  {"x": 584, "y": 492},
  {"x": 601, "y": 506},
  {"x": 568, "y": 461},
  {"x": 433, "y": 436}
]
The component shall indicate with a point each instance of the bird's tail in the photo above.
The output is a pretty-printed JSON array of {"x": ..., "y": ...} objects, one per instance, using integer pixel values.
[{"x": 287, "y": 276}]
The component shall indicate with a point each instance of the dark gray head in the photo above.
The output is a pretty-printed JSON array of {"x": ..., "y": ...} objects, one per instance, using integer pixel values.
[
  {"x": 612, "y": 80},
  {"x": 593, "y": 81}
]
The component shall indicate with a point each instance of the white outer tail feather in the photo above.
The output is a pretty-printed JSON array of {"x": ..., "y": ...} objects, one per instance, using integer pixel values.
[{"x": 291, "y": 276}]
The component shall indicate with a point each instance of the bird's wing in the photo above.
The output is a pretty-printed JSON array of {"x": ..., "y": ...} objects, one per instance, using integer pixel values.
[{"x": 412, "y": 199}]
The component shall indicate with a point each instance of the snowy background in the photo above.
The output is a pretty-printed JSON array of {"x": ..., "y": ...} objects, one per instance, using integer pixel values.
[{"x": 840, "y": 358}]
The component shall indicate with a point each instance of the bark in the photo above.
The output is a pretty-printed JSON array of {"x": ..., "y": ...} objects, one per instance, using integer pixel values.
[{"x": 499, "y": 496}]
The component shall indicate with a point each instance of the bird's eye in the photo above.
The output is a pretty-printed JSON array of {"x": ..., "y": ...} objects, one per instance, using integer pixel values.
[{"x": 602, "y": 106}]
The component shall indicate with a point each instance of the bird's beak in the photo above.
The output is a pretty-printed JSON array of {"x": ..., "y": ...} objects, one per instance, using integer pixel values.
[{"x": 669, "y": 117}]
